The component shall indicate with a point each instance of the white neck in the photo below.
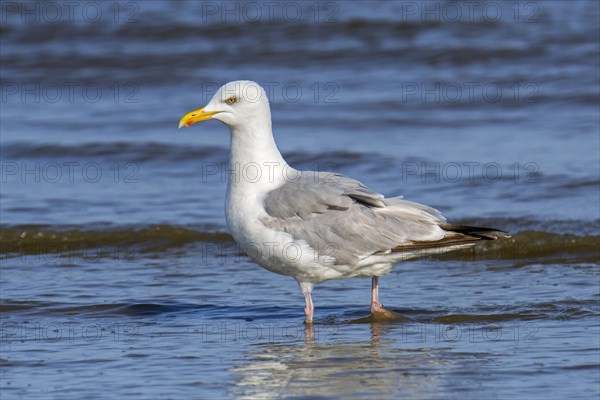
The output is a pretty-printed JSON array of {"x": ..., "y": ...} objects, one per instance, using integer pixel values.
[{"x": 256, "y": 164}]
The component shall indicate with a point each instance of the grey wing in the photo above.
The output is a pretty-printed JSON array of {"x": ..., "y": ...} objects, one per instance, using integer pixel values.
[
  {"x": 333, "y": 211},
  {"x": 317, "y": 192}
]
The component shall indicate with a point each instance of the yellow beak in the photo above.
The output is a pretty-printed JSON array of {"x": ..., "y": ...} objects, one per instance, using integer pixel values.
[{"x": 196, "y": 116}]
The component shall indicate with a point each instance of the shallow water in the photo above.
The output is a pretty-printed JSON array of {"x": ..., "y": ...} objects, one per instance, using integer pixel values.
[{"x": 119, "y": 279}]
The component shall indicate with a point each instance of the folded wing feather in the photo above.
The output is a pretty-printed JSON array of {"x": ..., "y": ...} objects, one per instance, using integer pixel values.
[{"x": 331, "y": 211}]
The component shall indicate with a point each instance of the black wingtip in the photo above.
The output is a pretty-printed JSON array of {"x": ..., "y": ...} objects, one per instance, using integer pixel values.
[{"x": 475, "y": 231}]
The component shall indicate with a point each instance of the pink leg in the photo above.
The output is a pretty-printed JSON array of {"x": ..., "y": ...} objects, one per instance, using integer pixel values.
[
  {"x": 378, "y": 313},
  {"x": 309, "y": 310},
  {"x": 376, "y": 306}
]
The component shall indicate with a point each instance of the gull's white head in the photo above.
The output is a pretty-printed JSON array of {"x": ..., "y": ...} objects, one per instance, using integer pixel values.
[{"x": 237, "y": 104}]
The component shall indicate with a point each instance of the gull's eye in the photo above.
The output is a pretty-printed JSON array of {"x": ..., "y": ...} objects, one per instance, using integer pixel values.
[{"x": 231, "y": 100}]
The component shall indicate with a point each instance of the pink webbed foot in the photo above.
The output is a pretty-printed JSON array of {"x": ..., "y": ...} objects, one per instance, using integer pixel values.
[{"x": 378, "y": 313}]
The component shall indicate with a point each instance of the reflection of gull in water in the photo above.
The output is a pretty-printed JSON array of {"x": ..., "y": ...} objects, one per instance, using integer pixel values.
[
  {"x": 317, "y": 226},
  {"x": 339, "y": 370}
]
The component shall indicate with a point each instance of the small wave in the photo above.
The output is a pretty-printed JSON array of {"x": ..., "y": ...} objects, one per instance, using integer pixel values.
[
  {"x": 543, "y": 247},
  {"x": 29, "y": 239},
  {"x": 164, "y": 152},
  {"x": 161, "y": 29},
  {"x": 557, "y": 310},
  {"x": 133, "y": 152},
  {"x": 42, "y": 240},
  {"x": 270, "y": 42},
  {"x": 114, "y": 309},
  {"x": 575, "y": 228},
  {"x": 150, "y": 309}
]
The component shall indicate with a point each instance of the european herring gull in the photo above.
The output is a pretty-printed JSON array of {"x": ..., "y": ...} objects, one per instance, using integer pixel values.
[{"x": 317, "y": 226}]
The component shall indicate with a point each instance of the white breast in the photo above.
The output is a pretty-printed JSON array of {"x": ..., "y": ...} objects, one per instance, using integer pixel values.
[{"x": 276, "y": 251}]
